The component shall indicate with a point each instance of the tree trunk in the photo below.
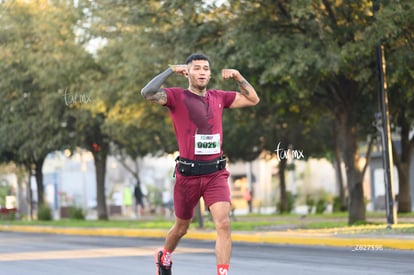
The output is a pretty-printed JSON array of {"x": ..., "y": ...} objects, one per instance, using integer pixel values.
[
  {"x": 198, "y": 217},
  {"x": 356, "y": 202},
  {"x": 340, "y": 179},
  {"x": 22, "y": 202},
  {"x": 30, "y": 195},
  {"x": 100, "y": 166},
  {"x": 39, "y": 181},
  {"x": 404, "y": 194},
  {"x": 403, "y": 163},
  {"x": 283, "y": 204},
  {"x": 348, "y": 141}
]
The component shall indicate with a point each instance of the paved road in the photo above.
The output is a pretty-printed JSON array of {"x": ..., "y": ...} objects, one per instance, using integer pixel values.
[{"x": 40, "y": 254}]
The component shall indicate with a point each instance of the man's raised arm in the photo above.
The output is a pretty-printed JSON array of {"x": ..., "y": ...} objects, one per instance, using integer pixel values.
[
  {"x": 247, "y": 95},
  {"x": 153, "y": 91}
]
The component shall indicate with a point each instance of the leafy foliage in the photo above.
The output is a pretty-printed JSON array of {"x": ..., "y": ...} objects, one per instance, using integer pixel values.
[{"x": 312, "y": 63}]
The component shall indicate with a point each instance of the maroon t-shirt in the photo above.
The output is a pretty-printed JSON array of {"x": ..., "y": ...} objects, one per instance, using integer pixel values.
[{"x": 202, "y": 115}]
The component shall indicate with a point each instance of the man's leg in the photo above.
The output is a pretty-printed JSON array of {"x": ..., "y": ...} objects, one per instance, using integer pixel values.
[
  {"x": 221, "y": 216},
  {"x": 186, "y": 197},
  {"x": 174, "y": 235}
]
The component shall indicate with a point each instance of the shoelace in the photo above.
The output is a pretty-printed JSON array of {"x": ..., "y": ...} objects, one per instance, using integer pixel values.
[{"x": 166, "y": 259}]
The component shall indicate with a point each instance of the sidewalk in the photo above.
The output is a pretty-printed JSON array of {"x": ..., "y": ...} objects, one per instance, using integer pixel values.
[{"x": 374, "y": 237}]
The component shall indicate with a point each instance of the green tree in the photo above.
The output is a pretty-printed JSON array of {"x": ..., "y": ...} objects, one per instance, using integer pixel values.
[
  {"x": 117, "y": 120},
  {"x": 142, "y": 38},
  {"x": 316, "y": 48},
  {"x": 393, "y": 29},
  {"x": 37, "y": 48},
  {"x": 306, "y": 59}
]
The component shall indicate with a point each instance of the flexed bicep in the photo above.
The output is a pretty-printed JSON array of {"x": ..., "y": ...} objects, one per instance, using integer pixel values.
[{"x": 247, "y": 95}]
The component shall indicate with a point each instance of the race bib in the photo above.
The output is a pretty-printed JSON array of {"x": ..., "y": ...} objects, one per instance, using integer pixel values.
[{"x": 207, "y": 144}]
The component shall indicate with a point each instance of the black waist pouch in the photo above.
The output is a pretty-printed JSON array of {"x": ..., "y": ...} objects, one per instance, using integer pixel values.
[{"x": 188, "y": 167}]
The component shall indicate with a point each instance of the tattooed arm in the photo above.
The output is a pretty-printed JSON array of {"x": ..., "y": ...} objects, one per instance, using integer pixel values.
[
  {"x": 247, "y": 95},
  {"x": 153, "y": 91}
]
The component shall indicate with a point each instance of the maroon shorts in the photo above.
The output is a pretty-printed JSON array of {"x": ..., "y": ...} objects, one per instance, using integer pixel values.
[{"x": 189, "y": 189}]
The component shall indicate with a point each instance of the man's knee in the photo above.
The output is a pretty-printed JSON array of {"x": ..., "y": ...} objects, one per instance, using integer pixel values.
[
  {"x": 223, "y": 224},
  {"x": 181, "y": 228},
  {"x": 181, "y": 231},
  {"x": 221, "y": 215}
]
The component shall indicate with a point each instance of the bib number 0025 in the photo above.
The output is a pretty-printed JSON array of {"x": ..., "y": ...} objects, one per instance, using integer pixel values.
[{"x": 207, "y": 144}]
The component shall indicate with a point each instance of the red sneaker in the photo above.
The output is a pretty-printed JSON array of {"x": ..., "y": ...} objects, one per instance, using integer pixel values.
[{"x": 159, "y": 268}]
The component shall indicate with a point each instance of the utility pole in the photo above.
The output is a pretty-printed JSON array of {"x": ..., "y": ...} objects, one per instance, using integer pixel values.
[{"x": 385, "y": 131}]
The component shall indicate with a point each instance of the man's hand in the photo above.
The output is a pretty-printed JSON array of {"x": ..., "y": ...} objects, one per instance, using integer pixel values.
[
  {"x": 181, "y": 69},
  {"x": 231, "y": 73}
]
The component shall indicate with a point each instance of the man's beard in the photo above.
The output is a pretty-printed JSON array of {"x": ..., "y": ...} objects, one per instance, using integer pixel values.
[{"x": 201, "y": 87}]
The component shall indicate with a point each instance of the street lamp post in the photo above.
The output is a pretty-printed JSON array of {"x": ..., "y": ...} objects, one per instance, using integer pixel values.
[{"x": 385, "y": 132}]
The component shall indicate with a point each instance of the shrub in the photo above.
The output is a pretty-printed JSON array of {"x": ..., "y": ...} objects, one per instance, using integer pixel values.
[
  {"x": 320, "y": 206},
  {"x": 337, "y": 205},
  {"x": 44, "y": 213},
  {"x": 76, "y": 213},
  {"x": 310, "y": 202},
  {"x": 290, "y": 203},
  {"x": 8, "y": 214}
]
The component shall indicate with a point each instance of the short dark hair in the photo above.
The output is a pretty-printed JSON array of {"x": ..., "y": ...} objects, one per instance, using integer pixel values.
[{"x": 197, "y": 56}]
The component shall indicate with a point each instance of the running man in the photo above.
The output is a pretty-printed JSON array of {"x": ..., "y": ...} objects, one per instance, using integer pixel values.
[{"x": 201, "y": 171}]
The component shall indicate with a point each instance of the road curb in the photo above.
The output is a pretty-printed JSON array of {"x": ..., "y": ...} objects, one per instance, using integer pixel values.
[{"x": 299, "y": 237}]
